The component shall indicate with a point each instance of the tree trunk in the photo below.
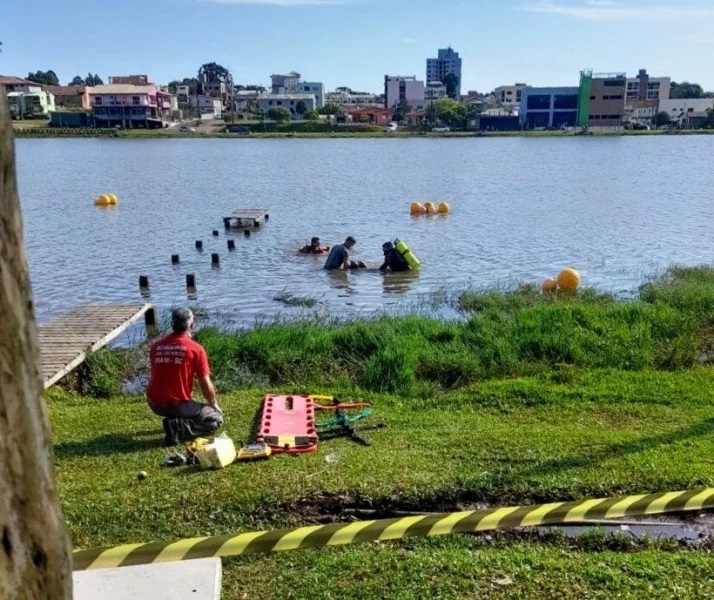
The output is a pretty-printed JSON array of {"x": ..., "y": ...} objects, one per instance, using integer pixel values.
[{"x": 35, "y": 559}]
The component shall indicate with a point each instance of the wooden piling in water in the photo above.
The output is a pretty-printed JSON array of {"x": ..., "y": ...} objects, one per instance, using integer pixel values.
[
  {"x": 150, "y": 322},
  {"x": 215, "y": 260},
  {"x": 231, "y": 244},
  {"x": 190, "y": 281},
  {"x": 215, "y": 232},
  {"x": 143, "y": 282},
  {"x": 175, "y": 259},
  {"x": 247, "y": 232},
  {"x": 199, "y": 245}
]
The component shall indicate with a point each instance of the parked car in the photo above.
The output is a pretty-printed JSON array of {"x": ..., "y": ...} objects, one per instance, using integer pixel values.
[
  {"x": 441, "y": 129},
  {"x": 186, "y": 129}
]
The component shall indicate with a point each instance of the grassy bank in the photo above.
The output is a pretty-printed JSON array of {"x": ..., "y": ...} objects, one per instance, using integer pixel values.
[
  {"x": 503, "y": 334},
  {"x": 530, "y": 398}
]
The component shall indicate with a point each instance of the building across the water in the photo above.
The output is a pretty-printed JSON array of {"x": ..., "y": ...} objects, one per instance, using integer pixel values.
[
  {"x": 399, "y": 89},
  {"x": 130, "y": 106},
  {"x": 602, "y": 99},
  {"x": 644, "y": 94},
  {"x": 446, "y": 63},
  {"x": 549, "y": 107}
]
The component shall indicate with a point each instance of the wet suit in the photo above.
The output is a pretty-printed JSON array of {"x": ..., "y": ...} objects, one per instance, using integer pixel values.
[{"x": 393, "y": 261}]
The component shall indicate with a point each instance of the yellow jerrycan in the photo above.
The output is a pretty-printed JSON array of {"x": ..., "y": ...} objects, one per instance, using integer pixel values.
[{"x": 407, "y": 254}]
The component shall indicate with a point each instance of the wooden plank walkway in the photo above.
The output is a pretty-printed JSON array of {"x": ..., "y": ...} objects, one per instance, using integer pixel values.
[
  {"x": 246, "y": 217},
  {"x": 66, "y": 341}
]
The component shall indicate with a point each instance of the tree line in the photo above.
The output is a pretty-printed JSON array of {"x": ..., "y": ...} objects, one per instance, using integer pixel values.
[{"x": 50, "y": 78}]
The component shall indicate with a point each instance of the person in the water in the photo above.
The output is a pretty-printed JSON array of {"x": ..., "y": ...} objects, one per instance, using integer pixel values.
[
  {"x": 314, "y": 247},
  {"x": 339, "y": 257}
]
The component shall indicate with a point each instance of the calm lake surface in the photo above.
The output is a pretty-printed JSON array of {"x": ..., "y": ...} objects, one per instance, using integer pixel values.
[{"x": 619, "y": 209}]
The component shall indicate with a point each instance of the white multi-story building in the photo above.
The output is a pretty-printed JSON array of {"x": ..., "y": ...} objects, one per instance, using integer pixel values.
[
  {"x": 643, "y": 96},
  {"x": 245, "y": 100},
  {"x": 508, "y": 96},
  {"x": 208, "y": 106},
  {"x": 279, "y": 83},
  {"x": 435, "y": 90},
  {"x": 288, "y": 101},
  {"x": 644, "y": 87},
  {"x": 684, "y": 109},
  {"x": 447, "y": 62},
  {"x": 355, "y": 99},
  {"x": 293, "y": 84},
  {"x": 398, "y": 88}
]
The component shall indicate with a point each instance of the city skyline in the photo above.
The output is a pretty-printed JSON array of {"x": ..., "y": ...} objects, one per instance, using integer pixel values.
[{"x": 355, "y": 43}]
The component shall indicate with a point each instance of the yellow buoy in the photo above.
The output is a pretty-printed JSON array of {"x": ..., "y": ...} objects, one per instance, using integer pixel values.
[
  {"x": 113, "y": 198},
  {"x": 102, "y": 200},
  {"x": 443, "y": 208},
  {"x": 569, "y": 279},
  {"x": 416, "y": 208},
  {"x": 549, "y": 285},
  {"x": 429, "y": 208}
]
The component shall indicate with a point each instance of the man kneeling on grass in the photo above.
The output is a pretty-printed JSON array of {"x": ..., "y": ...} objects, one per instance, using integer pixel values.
[{"x": 175, "y": 361}]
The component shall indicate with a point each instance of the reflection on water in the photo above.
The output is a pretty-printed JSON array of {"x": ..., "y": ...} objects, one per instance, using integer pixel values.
[
  {"x": 399, "y": 283},
  {"x": 617, "y": 208}
]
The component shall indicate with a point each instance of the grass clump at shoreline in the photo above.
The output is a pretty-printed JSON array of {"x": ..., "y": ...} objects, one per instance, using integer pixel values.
[{"x": 503, "y": 334}]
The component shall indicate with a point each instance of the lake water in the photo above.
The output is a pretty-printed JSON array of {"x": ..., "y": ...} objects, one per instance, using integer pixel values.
[{"x": 619, "y": 209}]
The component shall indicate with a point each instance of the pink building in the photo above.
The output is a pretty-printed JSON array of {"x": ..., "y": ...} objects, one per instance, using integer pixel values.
[
  {"x": 129, "y": 106},
  {"x": 70, "y": 96}
]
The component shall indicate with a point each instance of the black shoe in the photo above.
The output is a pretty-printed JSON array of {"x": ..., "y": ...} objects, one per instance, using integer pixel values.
[{"x": 170, "y": 438}]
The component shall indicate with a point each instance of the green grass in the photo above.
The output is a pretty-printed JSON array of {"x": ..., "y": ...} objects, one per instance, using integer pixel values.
[
  {"x": 553, "y": 437},
  {"x": 503, "y": 334},
  {"x": 528, "y": 399},
  {"x": 464, "y": 567}
]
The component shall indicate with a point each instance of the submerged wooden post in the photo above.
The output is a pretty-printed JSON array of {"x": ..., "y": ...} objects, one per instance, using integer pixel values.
[
  {"x": 144, "y": 285},
  {"x": 231, "y": 244},
  {"x": 175, "y": 259},
  {"x": 199, "y": 245},
  {"x": 215, "y": 232},
  {"x": 190, "y": 281},
  {"x": 35, "y": 559},
  {"x": 215, "y": 260},
  {"x": 246, "y": 232}
]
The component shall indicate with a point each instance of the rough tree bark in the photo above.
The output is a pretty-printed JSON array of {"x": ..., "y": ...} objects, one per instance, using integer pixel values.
[{"x": 35, "y": 559}]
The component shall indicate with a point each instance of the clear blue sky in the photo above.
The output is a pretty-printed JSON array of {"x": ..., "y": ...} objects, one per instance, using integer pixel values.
[{"x": 355, "y": 42}]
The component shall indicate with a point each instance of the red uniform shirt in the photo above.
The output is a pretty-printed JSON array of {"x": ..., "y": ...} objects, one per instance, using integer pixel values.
[{"x": 175, "y": 360}]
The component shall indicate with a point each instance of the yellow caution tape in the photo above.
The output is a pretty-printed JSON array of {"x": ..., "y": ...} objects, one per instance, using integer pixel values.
[{"x": 393, "y": 529}]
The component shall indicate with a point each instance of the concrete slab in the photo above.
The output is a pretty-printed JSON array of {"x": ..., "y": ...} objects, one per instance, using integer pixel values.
[{"x": 187, "y": 580}]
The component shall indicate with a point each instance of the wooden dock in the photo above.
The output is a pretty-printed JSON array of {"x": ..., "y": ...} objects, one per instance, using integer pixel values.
[
  {"x": 66, "y": 341},
  {"x": 244, "y": 218}
]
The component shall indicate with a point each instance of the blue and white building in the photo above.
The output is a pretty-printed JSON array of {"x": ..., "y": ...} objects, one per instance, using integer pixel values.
[{"x": 555, "y": 107}]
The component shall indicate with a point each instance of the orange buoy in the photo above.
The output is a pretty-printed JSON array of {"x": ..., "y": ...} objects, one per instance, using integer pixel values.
[
  {"x": 549, "y": 286},
  {"x": 443, "y": 208},
  {"x": 429, "y": 208},
  {"x": 416, "y": 208},
  {"x": 568, "y": 279}
]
